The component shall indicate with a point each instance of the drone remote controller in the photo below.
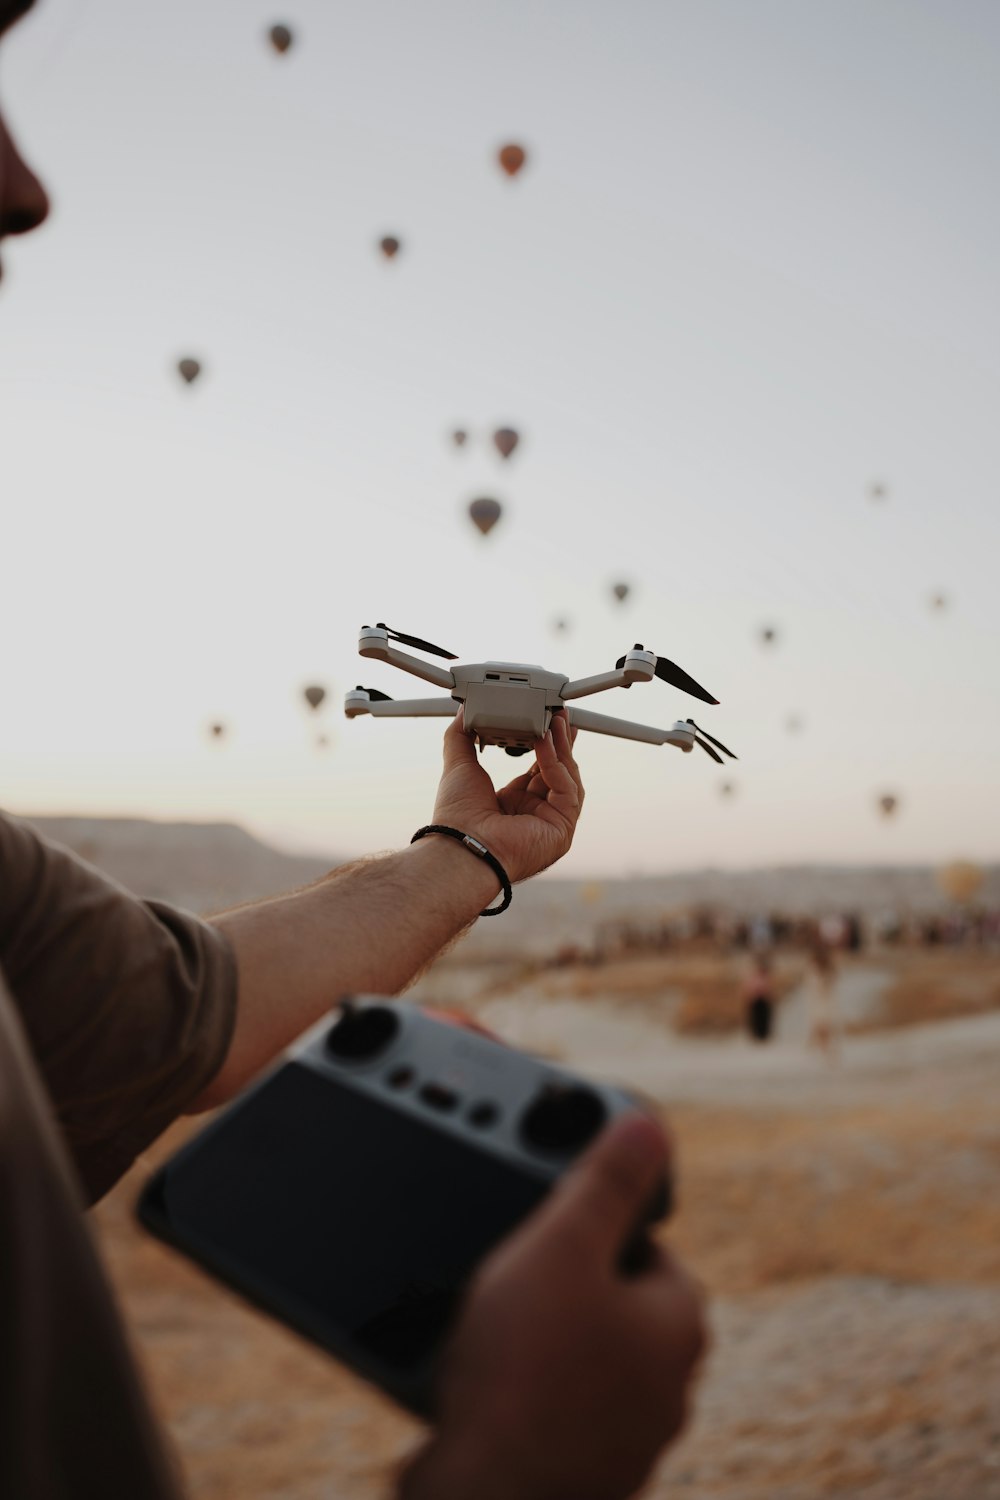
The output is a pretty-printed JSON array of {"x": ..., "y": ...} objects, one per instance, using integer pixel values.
[
  {"x": 511, "y": 704},
  {"x": 354, "y": 1190}
]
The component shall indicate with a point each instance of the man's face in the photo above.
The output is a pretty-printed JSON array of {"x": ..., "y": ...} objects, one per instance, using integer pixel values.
[{"x": 23, "y": 203}]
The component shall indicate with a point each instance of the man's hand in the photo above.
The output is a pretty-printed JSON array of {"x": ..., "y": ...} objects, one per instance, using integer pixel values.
[
  {"x": 564, "y": 1378},
  {"x": 530, "y": 823}
]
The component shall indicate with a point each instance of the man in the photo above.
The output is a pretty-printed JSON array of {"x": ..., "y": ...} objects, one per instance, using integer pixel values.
[{"x": 561, "y": 1380}]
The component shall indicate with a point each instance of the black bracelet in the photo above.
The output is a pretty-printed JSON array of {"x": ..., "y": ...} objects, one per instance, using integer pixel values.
[{"x": 481, "y": 852}]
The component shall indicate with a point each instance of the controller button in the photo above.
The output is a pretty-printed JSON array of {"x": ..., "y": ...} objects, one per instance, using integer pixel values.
[
  {"x": 563, "y": 1118},
  {"x": 362, "y": 1031},
  {"x": 438, "y": 1097},
  {"x": 400, "y": 1078},
  {"x": 483, "y": 1115}
]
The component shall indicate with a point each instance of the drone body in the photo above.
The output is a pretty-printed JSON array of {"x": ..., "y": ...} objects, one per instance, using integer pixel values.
[{"x": 510, "y": 704}]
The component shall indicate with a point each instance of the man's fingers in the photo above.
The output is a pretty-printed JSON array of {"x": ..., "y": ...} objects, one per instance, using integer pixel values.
[
  {"x": 563, "y": 739},
  {"x": 598, "y": 1204},
  {"x": 562, "y": 785}
]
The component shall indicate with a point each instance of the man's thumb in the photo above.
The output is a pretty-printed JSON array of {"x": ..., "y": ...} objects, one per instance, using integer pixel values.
[
  {"x": 600, "y": 1202},
  {"x": 459, "y": 747}
]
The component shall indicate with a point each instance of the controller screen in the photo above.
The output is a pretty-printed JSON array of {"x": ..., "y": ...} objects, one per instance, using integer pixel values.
[{"x": 347, "y": 1216}]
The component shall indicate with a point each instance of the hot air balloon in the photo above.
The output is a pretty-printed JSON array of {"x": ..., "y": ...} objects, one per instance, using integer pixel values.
[
  {"x": 485, "y": 514},
  {"x": 793, "y": 723},
  {"x": 314, "y": 695},
  {"x": 560, "y": 626},
  {"x": 877, "y": 490},
  {"x": 620, "y": 591},
  {"x": 512, "y": 159},
  {"x": 459, "y": 436},
  {"x": 280, "y": 38},
  {"x": 322, "y": 742},
  {"x": 189, "y": 369},
  {"x": 506, "y": 440},
  {"x": 217, "y": 731},
  {"x": 727, "y": 789},
  {"x": 939, "y": 601},
  {"x": 592, "y": 893},
  {"x": 887, "y": 804},
  {"x": 961, "y": 880},
  {"x": 768, "y": 635},
  {"x": 389, "y": 245}
]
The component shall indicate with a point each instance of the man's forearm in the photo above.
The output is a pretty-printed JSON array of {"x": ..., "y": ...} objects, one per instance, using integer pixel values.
[{"x": 372, "y": 927}]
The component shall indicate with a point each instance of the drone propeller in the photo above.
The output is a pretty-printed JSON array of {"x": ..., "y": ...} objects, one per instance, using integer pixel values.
[
  {"x": 708, "y": 749},
  {"x": 717, "y": 743},
  {"x": 374, "y": 694},
  {"x": 414, "y": 640},
  {"x": 668, "y": 671}
]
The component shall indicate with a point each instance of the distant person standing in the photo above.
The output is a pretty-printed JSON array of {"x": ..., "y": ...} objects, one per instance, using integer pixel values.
[
  {"x": 758, "y": 994},
  {"x": 823, "y": 1030}
]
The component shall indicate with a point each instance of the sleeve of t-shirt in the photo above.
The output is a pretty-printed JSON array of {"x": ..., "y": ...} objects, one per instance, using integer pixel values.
[{"x": 128, "y": 1005}]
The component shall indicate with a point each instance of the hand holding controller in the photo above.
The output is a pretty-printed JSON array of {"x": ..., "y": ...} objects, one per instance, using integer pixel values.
[
  {"x": 421, "y": 1201},
  {"x": 564, "y": 1380}
]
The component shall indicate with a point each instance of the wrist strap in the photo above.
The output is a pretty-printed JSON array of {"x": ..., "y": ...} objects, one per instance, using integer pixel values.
[{"x": 481, "y": 852}]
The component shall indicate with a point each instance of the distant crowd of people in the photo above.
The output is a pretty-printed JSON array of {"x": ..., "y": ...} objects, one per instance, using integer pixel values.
[{"x": 839, "y": 932}]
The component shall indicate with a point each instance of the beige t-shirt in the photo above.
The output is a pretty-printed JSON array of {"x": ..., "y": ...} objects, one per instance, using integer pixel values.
[{"x": 114, "y": 1014}]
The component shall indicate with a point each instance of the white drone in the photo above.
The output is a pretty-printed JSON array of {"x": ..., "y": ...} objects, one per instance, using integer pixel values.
[{"x": 511, "y": 704}]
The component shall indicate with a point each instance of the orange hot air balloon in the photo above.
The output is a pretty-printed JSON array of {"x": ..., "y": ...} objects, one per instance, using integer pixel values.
[
  {"x": 314, "y": 695},
  {"x": 459, "y": 437},
  {"x": 888, "y": 803},
  {"x": 505, "y": 440},
  {"x": 960, "y": 880},
  {"x": 485, "y": 514},
  {"x": 189, "y": 369},
  {"x": 620, "y": 591},
  {"x": 280, "y": 38},
  {"x": 512, "y": 158},
  {"x": 389, "y": 246}
]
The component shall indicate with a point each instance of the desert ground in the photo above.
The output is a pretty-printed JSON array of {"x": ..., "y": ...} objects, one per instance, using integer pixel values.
[{"x": 842, "y": 1212}]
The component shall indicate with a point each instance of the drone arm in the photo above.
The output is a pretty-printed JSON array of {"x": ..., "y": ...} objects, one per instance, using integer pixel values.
[
  {"x": 583, "y": 686},
  {"x": 380, "y": 650},
  {"x": 680, "y": 735},
  {"x": 403, "y": 708}
]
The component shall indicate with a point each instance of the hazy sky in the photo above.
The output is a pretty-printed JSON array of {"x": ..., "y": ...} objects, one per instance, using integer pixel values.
[{"x": 750, "y": 267}]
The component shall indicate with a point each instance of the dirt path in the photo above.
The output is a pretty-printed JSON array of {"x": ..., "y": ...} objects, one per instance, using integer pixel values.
[
  {"x": 599, "y": 1038},
  {"x": 859, "y": 1387}
]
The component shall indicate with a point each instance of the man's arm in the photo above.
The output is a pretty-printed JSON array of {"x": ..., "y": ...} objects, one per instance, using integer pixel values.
[{"x": 376, "y": 925}]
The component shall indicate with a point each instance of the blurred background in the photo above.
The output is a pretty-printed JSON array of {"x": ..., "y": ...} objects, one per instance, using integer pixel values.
[
  {"x": 701, "y": 299},
  {"x": 738, "y": 306}
]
